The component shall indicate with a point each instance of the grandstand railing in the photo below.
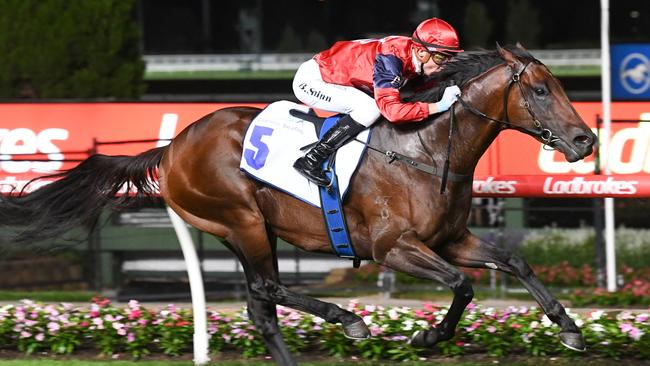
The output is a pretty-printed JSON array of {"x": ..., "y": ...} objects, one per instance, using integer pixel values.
[{"x": 291, "y": 61}]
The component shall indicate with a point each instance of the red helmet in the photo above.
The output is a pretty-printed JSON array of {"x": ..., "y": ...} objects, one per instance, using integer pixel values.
[{"x": 436, "y": 35}]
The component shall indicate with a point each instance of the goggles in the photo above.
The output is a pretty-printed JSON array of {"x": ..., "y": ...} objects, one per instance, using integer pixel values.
[{"x": 440, "y": 58}]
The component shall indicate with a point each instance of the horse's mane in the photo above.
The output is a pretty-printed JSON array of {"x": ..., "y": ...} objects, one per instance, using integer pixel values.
[{"x": 463, "y": 68}]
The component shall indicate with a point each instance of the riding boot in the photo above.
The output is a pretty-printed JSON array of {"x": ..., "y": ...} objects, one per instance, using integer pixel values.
[{"x": 310, "y": 165}]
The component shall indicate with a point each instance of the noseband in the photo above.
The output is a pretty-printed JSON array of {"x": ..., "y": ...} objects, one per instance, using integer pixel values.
[{"x": 545, "y": 134}]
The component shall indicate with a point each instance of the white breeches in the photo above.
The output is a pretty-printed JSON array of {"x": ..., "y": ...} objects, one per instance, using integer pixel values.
[{"x": 309, "y": 87}]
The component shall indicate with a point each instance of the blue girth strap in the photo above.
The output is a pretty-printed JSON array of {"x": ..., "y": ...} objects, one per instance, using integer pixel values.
[{"x": 330, "y": 200}]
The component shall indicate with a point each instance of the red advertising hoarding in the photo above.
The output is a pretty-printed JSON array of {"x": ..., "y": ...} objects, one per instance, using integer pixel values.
[{"x": 66, "y": 132}]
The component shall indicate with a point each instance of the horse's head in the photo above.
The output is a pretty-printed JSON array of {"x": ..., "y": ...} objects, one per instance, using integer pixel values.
[{"x": 535, "y": 103}]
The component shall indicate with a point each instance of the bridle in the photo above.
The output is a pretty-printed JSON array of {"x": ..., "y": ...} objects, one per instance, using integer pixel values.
[{"x": 546, "y": 135}]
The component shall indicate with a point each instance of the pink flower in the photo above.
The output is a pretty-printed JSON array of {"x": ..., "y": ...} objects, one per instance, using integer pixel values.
[
  {"x": 625, "y": 327},
  {"x": 491, "y": 329},
  {"x": 636, "y": 333},
  {"x": 135, "y": 314},
  {"x": 98, "y": 322},
  {"x": 130, "y": 337},
  {"x": 40, "y": 337},
  {"x": 53, "y": 327},
  {"x": 515, "y": 325},
  {"x": 375, "y": 331}
]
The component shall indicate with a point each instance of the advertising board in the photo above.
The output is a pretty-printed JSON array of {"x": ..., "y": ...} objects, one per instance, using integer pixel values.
[{"x": 56, "y": 136}]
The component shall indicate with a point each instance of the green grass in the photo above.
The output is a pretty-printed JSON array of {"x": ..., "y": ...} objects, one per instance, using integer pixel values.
[
  {"x": 47, "y": 296},
  {"x": 584, "y": 71}
]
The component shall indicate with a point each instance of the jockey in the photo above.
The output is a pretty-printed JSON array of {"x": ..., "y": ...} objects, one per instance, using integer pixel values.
[{"x": 362, "y": 78}]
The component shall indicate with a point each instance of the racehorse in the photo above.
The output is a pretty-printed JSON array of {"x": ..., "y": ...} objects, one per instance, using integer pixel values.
[{"x": 398, "y": 216}]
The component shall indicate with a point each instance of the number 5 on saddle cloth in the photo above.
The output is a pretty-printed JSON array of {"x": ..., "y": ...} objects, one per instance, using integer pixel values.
[{"x": 273, "y": 142}]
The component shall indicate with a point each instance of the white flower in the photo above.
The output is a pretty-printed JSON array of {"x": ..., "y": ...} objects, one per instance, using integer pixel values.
[
  {"x": 596, "y": 315},
  {"x": 579, "y": 322},
  {"x": 367, "y": 319},
  {"x": 408, "y": 325},
  {"x": 534, "y": 324},
  {"x": 596, "y": 327},
  {"x": 392, "y": 314},
  {"x": 422, "y": 323},
  {"x": 546, "y": 322}
]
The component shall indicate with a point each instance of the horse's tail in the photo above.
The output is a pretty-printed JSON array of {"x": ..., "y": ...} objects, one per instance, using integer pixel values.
[{"x": 79, "y": 195}]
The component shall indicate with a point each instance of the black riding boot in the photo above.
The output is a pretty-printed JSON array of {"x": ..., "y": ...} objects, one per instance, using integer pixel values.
[{"x": 310, "y": 165}]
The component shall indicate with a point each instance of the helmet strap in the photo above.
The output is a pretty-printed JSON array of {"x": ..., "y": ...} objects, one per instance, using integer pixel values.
[{"x": 420, "y": 60}]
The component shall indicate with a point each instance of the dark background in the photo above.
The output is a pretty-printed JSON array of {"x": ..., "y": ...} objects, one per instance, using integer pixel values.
[{"x": 209, "y": 26}]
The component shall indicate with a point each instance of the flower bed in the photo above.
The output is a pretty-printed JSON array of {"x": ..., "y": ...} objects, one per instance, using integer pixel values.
[{"x": 135, "y": 330}]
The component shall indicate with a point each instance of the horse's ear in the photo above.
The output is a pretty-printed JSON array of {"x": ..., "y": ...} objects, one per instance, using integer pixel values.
[
  {"x": 508, "y": 56},
  {"x": 521, "y": 47}
]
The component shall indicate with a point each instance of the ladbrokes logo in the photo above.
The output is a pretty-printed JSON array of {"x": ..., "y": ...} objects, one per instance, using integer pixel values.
[
  {"x": 634, "y": 160},
  {"x": 27, "y": 141},
  {"x": 579, "y": 185},
  {"x": 491, "y": 186}
]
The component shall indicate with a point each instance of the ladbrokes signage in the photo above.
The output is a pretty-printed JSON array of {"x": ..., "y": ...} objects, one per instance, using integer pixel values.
[
  {"x": 624, "y": 186},
  {"x": 64, "y": 132}
]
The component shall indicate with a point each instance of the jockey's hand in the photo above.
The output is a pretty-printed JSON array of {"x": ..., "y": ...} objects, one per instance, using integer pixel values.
[{"x": 449, "y": 96}]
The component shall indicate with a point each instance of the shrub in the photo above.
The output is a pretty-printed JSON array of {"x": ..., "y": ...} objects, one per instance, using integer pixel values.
[
  {"x": 31, "y": 327},
  {"x": 69, "y": 49}
]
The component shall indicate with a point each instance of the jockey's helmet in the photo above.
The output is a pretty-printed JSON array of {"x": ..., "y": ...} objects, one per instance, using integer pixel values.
[{"x": 436, "y": 35}]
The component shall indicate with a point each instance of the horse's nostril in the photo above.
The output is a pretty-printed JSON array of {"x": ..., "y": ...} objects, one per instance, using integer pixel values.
[{"x": 583, "y": 139}]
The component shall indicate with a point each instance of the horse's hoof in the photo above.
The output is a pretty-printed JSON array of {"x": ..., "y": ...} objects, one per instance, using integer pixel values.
[
  {"x": 357, "y": 330},
  {"x": 573, "y": 341},
  {"x": 423, "y": 339}
]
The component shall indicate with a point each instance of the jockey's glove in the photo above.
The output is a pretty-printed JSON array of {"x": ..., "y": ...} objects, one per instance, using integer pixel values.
[{"x": 449, "y": 96}]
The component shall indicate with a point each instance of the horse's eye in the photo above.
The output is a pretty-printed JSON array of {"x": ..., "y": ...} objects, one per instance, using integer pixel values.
[{"x": 540, "y": 91}]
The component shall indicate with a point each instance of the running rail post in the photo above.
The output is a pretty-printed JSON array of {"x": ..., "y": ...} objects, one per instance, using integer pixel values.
[
  {"x": 199, "y": 311},
  {"x": 610, "y": 243},
  {"x": 196, "y": 287}
]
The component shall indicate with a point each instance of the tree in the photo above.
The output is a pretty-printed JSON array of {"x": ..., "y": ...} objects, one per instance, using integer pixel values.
[
  {"x": 69, "y": 49},
  {"x": 477, "y": 26},
  {"x": 523, "y": 23}
]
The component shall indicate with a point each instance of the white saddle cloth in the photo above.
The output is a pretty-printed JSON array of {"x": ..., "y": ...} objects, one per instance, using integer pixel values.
[{"x": 273, "y": 143}]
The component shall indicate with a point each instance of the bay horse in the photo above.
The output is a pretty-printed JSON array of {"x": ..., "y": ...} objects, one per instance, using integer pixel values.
[{"x": 396, "y": 214}]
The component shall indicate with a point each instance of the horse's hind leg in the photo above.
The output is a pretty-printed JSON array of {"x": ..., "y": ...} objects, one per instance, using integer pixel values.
[
  {"x": 477, "y": 253},
  {"x": 254, "y": 248},
  {"x": 409, "y": 255},
  {"x": 261, "y": 308}
]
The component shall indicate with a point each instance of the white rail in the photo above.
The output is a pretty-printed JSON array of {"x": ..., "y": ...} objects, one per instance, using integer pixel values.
[{"x": 291, "y": 61}]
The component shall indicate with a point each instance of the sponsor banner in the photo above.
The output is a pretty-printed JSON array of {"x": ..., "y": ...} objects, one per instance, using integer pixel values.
[
  {"x": 65, "y": 133},
  {"x": 633, "y": 186},
  {"x": 56, "y": 136}
]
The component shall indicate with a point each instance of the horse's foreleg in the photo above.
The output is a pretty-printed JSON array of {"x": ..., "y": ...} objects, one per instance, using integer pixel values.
[
  {"x": 411, "y": 256},
  {"x": 477, "y": 253}
]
